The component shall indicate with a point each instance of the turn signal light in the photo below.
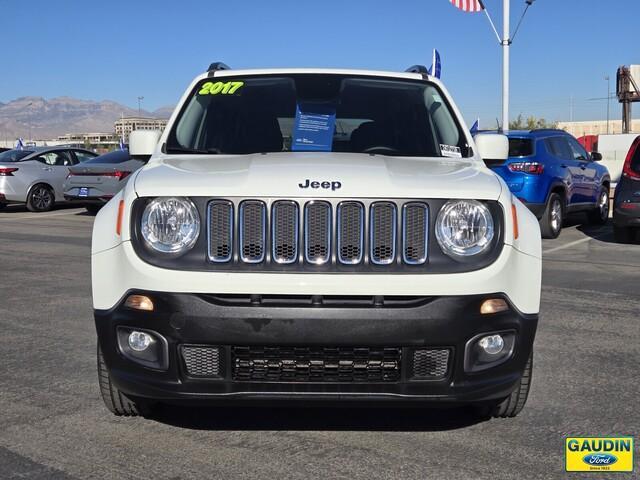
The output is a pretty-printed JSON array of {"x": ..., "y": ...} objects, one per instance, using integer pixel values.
[
  {"x": 514, "y": 215},
  {"x": 493, "y": 305},
  {"x": 139, "y": 302},
  {"x": 534, "y": 168},
  {"x": 119, "y": 220}
]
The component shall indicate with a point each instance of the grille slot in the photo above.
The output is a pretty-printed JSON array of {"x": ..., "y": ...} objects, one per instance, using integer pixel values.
[
  {"x": 284, "y": 225},
  {"x": 317, "y": 240},
  {"x": 415, "y": 225},
  {"x": 316, "y": 364},
  {"x": 220, "y": 230},
  {"x": 383, "y": 225},
  {"x": 252, "y": 231},
  {"x": 430, "y": 364},
  {"x": 350, "y": 232},
  {"x": 202, "y": 361}
]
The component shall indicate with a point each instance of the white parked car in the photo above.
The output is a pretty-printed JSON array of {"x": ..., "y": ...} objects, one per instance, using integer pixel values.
[{"x": 316, "y": 234}]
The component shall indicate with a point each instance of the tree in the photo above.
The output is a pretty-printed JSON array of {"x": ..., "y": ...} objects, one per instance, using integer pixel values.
[{"x": 531, "y": 123}]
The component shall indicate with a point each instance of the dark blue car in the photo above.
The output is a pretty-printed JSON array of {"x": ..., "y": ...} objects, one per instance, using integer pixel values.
[{"x": 551, "y": 173}]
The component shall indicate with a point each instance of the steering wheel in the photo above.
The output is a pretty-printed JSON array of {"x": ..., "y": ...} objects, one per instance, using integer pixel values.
[{"x": 380, "y": 148}]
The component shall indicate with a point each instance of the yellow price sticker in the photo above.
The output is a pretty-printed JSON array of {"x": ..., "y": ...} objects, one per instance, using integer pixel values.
[{"x": 220, "y": 88}]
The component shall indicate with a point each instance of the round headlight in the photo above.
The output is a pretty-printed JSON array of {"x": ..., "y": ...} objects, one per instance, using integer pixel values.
[
  {"x": 464, "y": 228},
  {"x": 170, "y": 224}
]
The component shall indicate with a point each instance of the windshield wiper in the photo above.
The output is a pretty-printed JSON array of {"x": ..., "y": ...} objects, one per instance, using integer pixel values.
[{"x": 193, "y": 151}]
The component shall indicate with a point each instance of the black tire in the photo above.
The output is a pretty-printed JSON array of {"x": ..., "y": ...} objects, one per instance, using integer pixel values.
[
  {"x": 40, "y": 198},
  {"x": 600, "y": 214},
  {"x": 117, "y": 402},
  {"x": 93, "y": 209},
  {"x": 3, "y": 206},
  {"x": 514, "y": 403},
  {"x": 553, "y": 216},
  {"x": 622, "y": 234}
]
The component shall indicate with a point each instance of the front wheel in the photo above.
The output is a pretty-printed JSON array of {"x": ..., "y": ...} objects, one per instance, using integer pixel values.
[
  {"x": 553, "y": 216},
  {"x": 117, "y": 402},
  {"x": 600, "y": 214},
  {"x": 514, "y": 403},
  {"x": 2, "y": 206},
  {"x": 40, "y": 199}
]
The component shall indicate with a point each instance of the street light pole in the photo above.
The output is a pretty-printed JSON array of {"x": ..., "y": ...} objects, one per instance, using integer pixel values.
[{"x": 506, "y": 43}]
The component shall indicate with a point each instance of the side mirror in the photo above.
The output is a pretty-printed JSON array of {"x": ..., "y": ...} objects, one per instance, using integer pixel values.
[
  {"x": 142, "y": 143},
  {"x": 492, "y": 146},
  {"x": 596, "y": 156}
]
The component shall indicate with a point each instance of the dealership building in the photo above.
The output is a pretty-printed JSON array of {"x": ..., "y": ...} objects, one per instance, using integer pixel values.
[
  {"x": 126, "y": 125},
  {"x": 597, "y": 127}
]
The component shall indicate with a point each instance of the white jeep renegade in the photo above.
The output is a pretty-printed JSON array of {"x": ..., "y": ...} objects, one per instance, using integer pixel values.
[{"x": 308, "y": 234}]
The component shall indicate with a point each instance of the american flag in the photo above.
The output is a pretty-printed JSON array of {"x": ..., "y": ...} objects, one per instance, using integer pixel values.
[{"x": 468, "y": 5}]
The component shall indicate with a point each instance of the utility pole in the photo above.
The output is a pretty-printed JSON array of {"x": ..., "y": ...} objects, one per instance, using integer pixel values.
[
  {"x": 608, "y": 99},
  {"x": 506, "y": 44}
]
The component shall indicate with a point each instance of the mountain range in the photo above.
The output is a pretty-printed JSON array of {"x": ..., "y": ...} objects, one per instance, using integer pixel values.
[{"x": 40, "y": 118}]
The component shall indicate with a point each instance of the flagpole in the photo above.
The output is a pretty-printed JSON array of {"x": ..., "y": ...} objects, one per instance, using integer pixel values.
[{"x": 506, "y": 43}]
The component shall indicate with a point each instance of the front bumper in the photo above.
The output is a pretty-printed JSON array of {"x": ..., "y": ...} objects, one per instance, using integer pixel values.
[{"x": 438, "y": 322}]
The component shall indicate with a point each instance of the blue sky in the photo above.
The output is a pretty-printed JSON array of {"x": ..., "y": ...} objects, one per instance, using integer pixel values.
[{"x": 119, "y": 50}]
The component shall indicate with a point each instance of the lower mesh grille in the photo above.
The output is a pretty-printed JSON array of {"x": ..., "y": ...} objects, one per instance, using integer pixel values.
[
  {"x": 202, "y": 361},
  {"x": 430, "y": 364},
  {"x": 316, "y": 364}
]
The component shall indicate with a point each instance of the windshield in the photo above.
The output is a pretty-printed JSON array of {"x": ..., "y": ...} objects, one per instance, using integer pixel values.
[
  {"x": 327, "y": 113},
  {"x": 14, "y": 155}
]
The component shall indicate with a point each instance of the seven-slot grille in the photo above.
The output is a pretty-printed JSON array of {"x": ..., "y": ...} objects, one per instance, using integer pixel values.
[
  {"x": 315, "y": 364},
  {"x": 318, "y": 232}
]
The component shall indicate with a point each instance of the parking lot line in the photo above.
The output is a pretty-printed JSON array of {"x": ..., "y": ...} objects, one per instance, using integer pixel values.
[
  {"x": 571, "y": 244},
  {"x": 43, "y": 215}
]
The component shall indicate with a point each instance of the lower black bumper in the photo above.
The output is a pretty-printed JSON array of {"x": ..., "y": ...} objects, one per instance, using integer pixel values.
[
  {"x": 445, "y": 323},
  {"x": 87, "y": 200},
  {"x": 627, "y": 215}
]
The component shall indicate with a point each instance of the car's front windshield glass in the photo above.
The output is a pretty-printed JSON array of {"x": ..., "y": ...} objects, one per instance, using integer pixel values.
[
  {"x": 320, "y": 112},
  {"x": 14, "y": 155}
]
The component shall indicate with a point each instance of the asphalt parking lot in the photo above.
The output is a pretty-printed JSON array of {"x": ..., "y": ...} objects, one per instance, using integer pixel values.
[{"x": 53, "y": 423}]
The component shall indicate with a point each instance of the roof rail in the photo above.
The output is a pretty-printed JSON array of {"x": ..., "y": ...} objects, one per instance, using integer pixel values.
[
  {"x": 418, "y": 69},
  {"x": 218, "y": 66},
  {"x": 548, "y": 130}
]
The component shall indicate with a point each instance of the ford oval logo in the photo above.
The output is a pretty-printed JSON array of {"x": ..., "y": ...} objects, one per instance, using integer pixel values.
[{"x": 600, "y": 459}]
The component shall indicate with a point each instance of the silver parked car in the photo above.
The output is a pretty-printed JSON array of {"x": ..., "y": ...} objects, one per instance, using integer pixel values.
[
  {"x": 35, "y": 175},
  {"x": 94, "y": 182}
]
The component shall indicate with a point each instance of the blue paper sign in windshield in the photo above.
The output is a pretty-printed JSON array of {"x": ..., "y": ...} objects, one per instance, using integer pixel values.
[{"x": 314, "y": 127}]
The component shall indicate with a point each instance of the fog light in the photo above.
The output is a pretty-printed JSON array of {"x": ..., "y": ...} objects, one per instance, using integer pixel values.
[
  {"x": 493, "y": 305},
  {"x": 139, "y": 341},
  {"x": 492, "y": 344},
  {"x": 139, "y": 302}
]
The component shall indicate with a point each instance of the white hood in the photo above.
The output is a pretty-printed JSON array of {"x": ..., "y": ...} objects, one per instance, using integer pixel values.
[{"x": 280, "y": 175}]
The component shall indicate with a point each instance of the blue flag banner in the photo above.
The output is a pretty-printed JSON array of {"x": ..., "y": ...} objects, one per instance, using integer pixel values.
[
  {"x": 475, "y": 127},
  {"x": 436, "y": 65},
  {"x": 20, "y": 144}
]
